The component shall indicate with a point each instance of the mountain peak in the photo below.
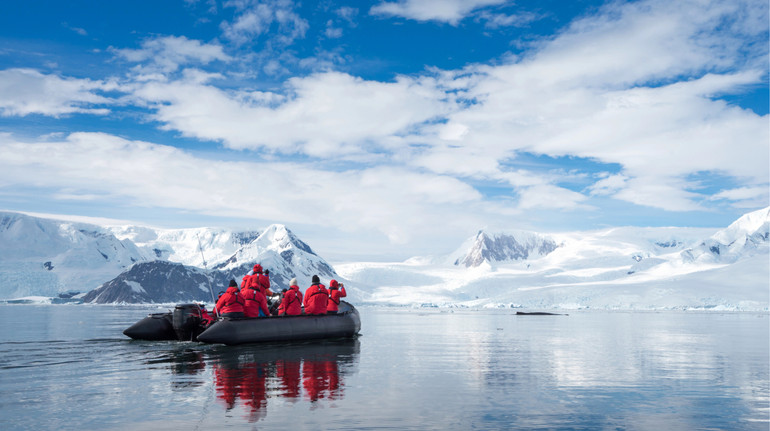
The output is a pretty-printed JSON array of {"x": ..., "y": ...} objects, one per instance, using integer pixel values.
[
  {"x": 753, "y": 224},
  {"x": 492, "y": 247}
]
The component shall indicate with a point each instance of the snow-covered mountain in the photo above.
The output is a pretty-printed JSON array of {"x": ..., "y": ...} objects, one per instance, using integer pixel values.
[
  {"x": 617, "y": 268},
  {"x": 746, "y": 236},
  {"x": 276, "y": 249},
  {"x": 47, "y": 257},
  {"x": 490, "y": 248},
  {"x": 280, "y": 251}
]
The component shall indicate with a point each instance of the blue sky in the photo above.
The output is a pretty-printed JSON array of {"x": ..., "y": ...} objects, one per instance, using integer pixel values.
[{"x": 386, "y": 129}]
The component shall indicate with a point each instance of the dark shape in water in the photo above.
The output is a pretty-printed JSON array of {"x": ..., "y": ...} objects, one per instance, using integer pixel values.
[{"x": 538, "y": 313}]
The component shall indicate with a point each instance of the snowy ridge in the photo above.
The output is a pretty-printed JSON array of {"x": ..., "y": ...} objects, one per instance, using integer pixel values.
[
  {"x": 746, "y": 236},
  {"x": 620, "y": 269},
  {"x": 41, "y": 257}
]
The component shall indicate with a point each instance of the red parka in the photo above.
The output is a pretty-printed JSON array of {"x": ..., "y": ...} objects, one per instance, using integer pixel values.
[
  {"x": 264, "y": 284},
  {"x": 260, "y": 281},
  {"x": 291, "y": 305},
  {"x": 255, "y": 302},
  {"x": 230, "y": 301},
  {"x": 336, "y": 291},
  {"x": 316, "y": 297}
]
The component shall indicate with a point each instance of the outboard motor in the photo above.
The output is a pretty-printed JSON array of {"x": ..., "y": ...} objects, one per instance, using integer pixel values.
[{"x": 187, "y": 321}]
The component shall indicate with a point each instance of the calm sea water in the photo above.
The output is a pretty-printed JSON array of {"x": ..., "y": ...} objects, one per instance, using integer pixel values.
[{"x": 69, "y": 367}]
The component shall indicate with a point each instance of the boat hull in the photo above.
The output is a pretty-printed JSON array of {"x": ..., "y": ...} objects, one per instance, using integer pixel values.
[
  {"x": 346, "y": 323},
  {"x": 155, "y": 327}
]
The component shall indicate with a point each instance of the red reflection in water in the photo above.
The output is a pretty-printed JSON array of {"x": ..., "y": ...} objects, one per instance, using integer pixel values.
[
  {"x": 309, "y": 373},
  {"x": 321, "y": 380}
]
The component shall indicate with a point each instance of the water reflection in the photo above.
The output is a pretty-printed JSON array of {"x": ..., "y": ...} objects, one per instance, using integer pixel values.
[
  {"x": 246, "y": 377},
  {"x": 182, "y": 362}
]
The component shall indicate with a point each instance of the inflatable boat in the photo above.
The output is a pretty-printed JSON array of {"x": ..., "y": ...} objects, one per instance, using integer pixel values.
[{"x": 189, "y": 322}]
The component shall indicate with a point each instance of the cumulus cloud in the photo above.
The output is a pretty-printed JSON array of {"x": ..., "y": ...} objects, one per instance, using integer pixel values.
[
  {"x": 635, "y": 85},
  {"x": 27, "y": 91},
  {"x": 634, "y": 89}
]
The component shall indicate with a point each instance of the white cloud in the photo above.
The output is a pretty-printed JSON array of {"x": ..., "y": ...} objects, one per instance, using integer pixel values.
[
  {"x": 745, "y": 197},
  {"x": 106, "y": 169},
  {"x": 332, "y": 32},
  {"x": 548, "y": 196},
  {"x": 348, "y": 14},
  {"x": 497, "y": 20},
  {"x": 253, "y": 19},
  {"x": 659, "y": 192},
  {"x": 633, "y": 87},
  {"x": 27, "y": 91},
  {"x": 168, "y": 53},
  {"x": 324, "y": 115},
  {"x": 450, "y": 11},
  {"x": 609, "y": 185}
]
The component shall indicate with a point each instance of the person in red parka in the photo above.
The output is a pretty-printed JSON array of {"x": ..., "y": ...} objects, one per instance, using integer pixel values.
[
  {"x": 316, "y": 297},
  {"x": 260, "y": 281},
  {"x": 264, "y": 283},
  {"x": 291, "y": 305},
  {"x": 231, "y": 303},
  {"x": 336, "y": 291},
  {"x": 255, "y": 304},
  {"x": 252, "y": 278}
]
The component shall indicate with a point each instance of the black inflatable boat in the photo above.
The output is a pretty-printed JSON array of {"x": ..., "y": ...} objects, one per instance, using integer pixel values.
[
  {"x": 346, "y": 323},
  {"x": 187, "y": 323}
]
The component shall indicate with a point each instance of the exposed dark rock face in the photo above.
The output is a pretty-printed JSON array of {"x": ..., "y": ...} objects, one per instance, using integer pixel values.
[{"x": 154, "y": 282}]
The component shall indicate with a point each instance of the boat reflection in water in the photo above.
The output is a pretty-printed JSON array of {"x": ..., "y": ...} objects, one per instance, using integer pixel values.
[{"x": 249, "y": 375}]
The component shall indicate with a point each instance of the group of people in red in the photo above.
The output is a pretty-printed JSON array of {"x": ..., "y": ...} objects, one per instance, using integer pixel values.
[{"x": 251, "y": 299}]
